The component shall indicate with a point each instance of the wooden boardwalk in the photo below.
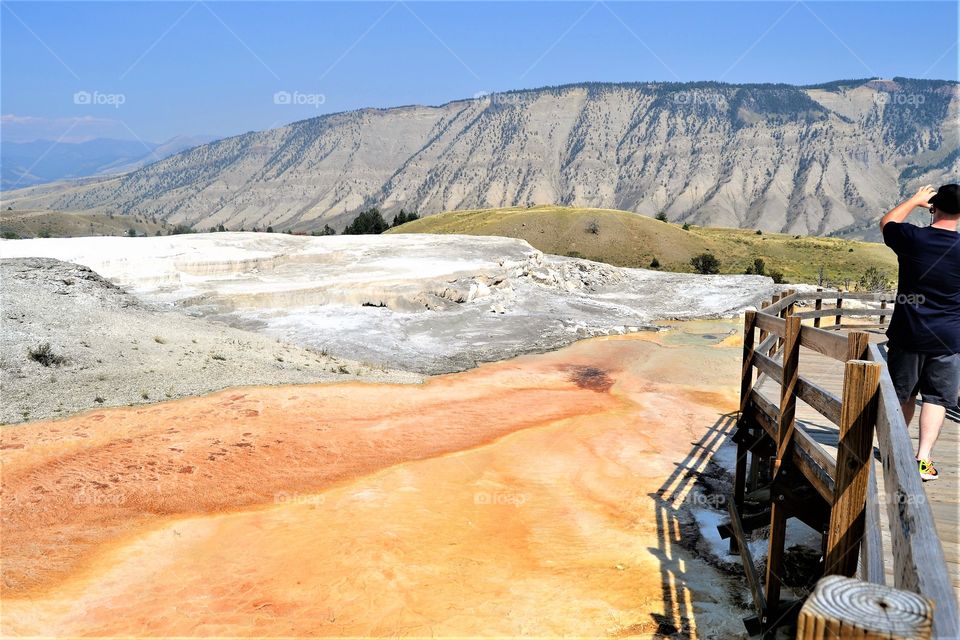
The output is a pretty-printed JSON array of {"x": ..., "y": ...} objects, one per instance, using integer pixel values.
[{"x": 943, "y": 494}]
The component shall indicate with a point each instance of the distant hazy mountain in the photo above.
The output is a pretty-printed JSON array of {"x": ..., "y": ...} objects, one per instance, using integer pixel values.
[
  {"x": 807, "y": 160},
  {"x": 29, "y": 163}
]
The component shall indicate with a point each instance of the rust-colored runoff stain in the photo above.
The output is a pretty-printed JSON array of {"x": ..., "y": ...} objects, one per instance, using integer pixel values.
[
  {"x": 591, "y": 378},
  {"x": 513, "y": 499}
]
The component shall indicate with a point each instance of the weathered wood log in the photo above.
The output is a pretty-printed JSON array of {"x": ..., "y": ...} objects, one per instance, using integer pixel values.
[{"x": 844, "y": 608}]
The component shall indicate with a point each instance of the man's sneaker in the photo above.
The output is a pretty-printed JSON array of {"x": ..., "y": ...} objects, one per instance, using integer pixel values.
[{"x": 927, "y": 470}]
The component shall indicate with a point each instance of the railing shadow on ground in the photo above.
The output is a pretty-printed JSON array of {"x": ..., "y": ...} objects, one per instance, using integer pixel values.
[{"x": 678, "y": 620}]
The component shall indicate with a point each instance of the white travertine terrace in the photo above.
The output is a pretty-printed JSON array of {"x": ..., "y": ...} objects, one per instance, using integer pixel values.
[{"x": 425, "y": 303}]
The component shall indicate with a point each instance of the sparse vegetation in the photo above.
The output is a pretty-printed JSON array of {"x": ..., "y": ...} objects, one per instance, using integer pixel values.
[
  {"x": 872, "y": 279},
  {"x": 45, "y": 355},
  {"x": 403, "y": 218},
  {"x": 368, "y": 222},
  {"x": 654, "y": 264},
  {"x": 757, "y": 268},
  {"x": 705, "y": 263},
  {"x": 638, "y": 239}
]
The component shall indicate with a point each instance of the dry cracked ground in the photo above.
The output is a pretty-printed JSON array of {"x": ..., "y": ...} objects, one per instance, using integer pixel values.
[{"x": 543, "y": 494}]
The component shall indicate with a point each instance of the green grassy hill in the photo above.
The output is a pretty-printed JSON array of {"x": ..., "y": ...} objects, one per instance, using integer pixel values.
[
  {"x": 631, "y": 240},
  {"x": 61, "y": 224}
]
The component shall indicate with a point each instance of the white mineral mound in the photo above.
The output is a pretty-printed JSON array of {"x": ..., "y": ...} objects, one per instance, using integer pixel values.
[{"x": 416, "y": 302}]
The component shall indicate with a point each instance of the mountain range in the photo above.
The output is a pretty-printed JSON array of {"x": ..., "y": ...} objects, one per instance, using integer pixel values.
[
  {"x": 39, "y": 161},
  {"x": 826, "y": 159}
]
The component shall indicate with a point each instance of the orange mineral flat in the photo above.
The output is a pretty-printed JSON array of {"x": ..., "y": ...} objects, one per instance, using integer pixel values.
[{"x": 540, "y": 496}]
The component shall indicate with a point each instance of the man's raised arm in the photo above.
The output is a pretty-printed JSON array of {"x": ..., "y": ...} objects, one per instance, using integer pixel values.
[{"x": 900, "y": 212}]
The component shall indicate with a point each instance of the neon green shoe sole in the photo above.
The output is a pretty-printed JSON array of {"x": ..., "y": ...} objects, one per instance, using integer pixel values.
[{"x": 927, "y": 470}]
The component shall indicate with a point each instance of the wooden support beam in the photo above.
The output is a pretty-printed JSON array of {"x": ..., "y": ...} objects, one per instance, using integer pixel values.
[
  {"x": 753, "y": 580},
  {"x": 788, "y": 389},
  {"x": 854, "y": 454},
  {"x": 778, "y": 530},
  {"x": 839, "y": 310},
  {"x": 846, "y": 608}
]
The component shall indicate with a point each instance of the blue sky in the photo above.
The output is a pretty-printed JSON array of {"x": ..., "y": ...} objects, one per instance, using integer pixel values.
[{"x": 153, "y": 70}]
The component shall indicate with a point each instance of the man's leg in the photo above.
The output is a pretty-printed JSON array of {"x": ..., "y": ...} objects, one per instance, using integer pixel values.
[
  {"x": 931, "y": 421},
  {"x": 939, "y": 379},
  {"x": 908, "y": 408}
]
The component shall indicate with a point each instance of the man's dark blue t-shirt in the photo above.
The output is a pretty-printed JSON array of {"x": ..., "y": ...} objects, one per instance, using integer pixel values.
[{"x": 926, "y": 318}]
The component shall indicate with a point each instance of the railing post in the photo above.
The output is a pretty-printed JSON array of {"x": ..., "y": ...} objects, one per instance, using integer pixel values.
[
  {"x": 883, "y": 318},
  {"x": 857, "y": 342},
  {"x": 861, "y": 379},
  {"x": 818, "y": 306},
  {"x": 839, "y": 311},
  {"x": 788, "y": 388},
  {"x": 746, "y": 387},
  {"x": 846, "y": 608},
  {"x": 785, "y": 426}
]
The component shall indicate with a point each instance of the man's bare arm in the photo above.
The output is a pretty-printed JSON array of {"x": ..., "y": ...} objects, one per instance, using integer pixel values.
[{"x": 900, "y": 212}]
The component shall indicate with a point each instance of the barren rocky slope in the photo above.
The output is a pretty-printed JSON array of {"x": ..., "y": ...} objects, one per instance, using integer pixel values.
[
  {"x": 803, "y": 160},
  {"x": 425, "y": 303},
  {"x": 117, "y": 350}
]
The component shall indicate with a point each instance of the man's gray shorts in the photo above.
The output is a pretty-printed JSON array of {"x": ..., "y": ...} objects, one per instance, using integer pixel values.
[{"x": 936, "y": 377}]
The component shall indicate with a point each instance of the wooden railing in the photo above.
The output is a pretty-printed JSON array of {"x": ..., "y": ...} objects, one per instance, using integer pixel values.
[{"x": 838, "y": 497}]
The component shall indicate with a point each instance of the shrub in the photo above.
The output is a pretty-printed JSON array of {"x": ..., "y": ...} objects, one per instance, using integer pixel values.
[
  {"x": 131, "y": 232},
  {"x": 44, "y": 354},
  {"x": 873, "y": 280},
  {"x": 662, "y": 217},
  {"x": 686, "y": 226},
  {"x": 9, "y": 235},
  {"x": 757, "y": 268},
  {"x": 759, "y": 232},
  {"x": 593, "y": 227},
  {"x": 367, "y": 222},
  {"x": 777, "y": 276},
  {"x": 654, "y": 264},
  {"x": 705, "y": 263},
  {"x": 403, "y": 217},
  {"x": 269, "y": 229}
]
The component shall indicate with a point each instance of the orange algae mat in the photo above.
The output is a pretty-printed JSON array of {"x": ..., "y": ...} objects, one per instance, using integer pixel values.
[{"x": 520, "y": 498}]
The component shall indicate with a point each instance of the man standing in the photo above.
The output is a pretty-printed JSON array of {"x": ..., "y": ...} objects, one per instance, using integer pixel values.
[{"x": 924, "y": 347}]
